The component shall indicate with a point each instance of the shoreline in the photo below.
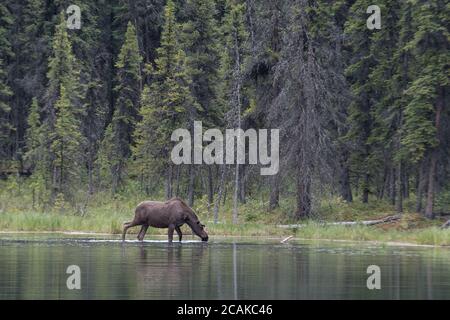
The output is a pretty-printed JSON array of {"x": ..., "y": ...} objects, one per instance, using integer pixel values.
[{"x": 374, "y": 242}]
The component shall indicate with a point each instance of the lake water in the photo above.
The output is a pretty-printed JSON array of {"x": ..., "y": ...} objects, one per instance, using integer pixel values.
[{"x": 34, "y": 267}]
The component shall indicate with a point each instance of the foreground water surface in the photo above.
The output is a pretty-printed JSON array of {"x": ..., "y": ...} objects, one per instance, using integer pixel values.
[{"x": 34, "y": 267}]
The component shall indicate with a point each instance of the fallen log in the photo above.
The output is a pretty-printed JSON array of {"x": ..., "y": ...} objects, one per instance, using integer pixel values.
[
  {"x": 286, "y": 239},
  {"x": 348, "y": 223},
  {"x": 446, "y": 225}
]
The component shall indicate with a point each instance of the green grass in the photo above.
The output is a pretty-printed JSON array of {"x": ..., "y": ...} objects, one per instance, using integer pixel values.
[
  {"x": 424, "y": 236},
  {"x": 106, "y": 215},
  {"x": 37, "y": 221},
  {"x": 112, "y": 223}
]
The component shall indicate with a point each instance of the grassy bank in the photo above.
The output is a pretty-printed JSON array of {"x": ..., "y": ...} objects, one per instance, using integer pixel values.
[
  {"x": 36, "y": 221},
  {"x": 425, "y": 236},
  {"x": 106, "y": 215},
  {"x": 423, "y": 232}
]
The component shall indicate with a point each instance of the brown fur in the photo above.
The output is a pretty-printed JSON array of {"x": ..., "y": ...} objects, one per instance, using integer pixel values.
[{"x": 171, "y": 214}]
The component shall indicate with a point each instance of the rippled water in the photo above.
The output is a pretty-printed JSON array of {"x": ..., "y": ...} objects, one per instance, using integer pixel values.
[{"x": 34, "y": 267}]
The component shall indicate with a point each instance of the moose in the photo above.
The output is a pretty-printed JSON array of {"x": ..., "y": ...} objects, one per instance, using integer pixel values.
[{"x": 171, "y": 214}]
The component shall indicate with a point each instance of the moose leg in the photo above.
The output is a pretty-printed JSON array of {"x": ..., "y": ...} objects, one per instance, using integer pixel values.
[
  {"x": 126, "y": 226},
  {"x": 141, "y": 234},
  {"x": 178, "y": 230},
  {"x": 170, "y": 232}
]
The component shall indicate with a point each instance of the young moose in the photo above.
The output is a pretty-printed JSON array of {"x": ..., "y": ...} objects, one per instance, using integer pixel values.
[{"x": 171, "y": 214}]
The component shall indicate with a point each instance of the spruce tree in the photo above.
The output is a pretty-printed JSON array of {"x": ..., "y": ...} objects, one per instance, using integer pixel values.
[
  {"x": 387, "y": 113},
  {"x": 92, "y": 48},
  {"x": 34, "y": 139},
  {"x": 166, "y": 103},
  {"x": 28, "y": 68},
  {"x": 61, "y": 100},
  {"x": 5, "y": 109},
  {"x": 35, "y": 155},
  {"x": 199, "y": 39},
  {"x": 147, "y": 16},
  {"x": 235, "y": 50},
  {"x": 360, "y": 117},
  {"x": 425, "y": 112},
  {"x": 118, "y": 139},
  {"x": 66, "y": 146},
  {"x": 265, "y": 23},
  {"x": 6, "y": 93}
]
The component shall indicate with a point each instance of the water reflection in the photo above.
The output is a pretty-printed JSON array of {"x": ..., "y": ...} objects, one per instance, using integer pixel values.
[
  {"x": 168, "y": 270},
  {"x": 158, "y": 270},
  {"x": 235, "y": 285}
]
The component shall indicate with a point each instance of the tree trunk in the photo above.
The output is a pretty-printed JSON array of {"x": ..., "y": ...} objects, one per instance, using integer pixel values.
[
  {"x": 116, "y": 177},
  {"x": 399, "y": 200},
  {"x": 177, "y": 181},
  {"x": 236, "y": 194},
  {"x": 210, "y": 189},
  {"x": 274, "y": 200},
  {"x": 242, "y": 185},
  {"x": 365, "y": 189},
  {"x": 191, "y": 188},
  {"x": 33, "y": 193},
  {"x": 90, "y": 177},
  {"x": 430, "y": 192},
  {"x": 421, "y": 181},
  {"x": 345, "y": 190},
  {"x": 219, "y": 193},
  {"x": 384, "y": 184},
  {"x": 392, "y": 187},
  {"x": 225, "y": 194},
  {"x": 169, "y": 182},
  {"x": 237, "y": 95},
  {"x": 434, "y": 155},
  {"x": 405, "y": 184},
  {"x": 303, "y": 198}
]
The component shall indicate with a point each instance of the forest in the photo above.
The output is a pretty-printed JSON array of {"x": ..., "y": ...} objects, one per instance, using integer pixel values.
[{"x": 87, "y": 112}]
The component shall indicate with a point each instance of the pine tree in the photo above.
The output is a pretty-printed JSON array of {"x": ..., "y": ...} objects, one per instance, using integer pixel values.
[
  {"x": 314, "y": 96},
  {"x": 425, "y": 111},
  {"x": 93, "y": 49},
  {"x": 264, "y": 22},
  {"x": 28, "y": 68},
  {"x": 119, "y": 135},
  {"x": 337, "y": 15},
  {"x": 199, "y": 40},
  {"x": 34, "y": 137},
  {"x": 235, "y": 50},
  {"x": 147, "y": 17},
  {"x": 35, "y": 156},
  {"x": 61, "y": 100},
  {"x": 66, "y": 146},
  {"x": 165, "y": 103},
  {"x": 5, "y": 123},
  {"x": 387, "y": 113},
  {"x": 403, "y": 66},
  {"x": 360, "y": 118},
  {"x": 6, "y": 55}
]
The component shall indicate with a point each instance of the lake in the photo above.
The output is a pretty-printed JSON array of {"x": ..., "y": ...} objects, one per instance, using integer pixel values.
[{"x": 34, "y": 267}]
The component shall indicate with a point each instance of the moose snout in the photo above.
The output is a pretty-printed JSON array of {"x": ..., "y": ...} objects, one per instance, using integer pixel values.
[{"x": 205, "y": 239}]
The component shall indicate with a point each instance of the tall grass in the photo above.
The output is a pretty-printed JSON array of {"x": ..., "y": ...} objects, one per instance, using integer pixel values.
[
  {"x": 106, "y": 214},
  {"x": 426, "y": 236},
  {"x": 111, "y": 223}
]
